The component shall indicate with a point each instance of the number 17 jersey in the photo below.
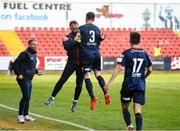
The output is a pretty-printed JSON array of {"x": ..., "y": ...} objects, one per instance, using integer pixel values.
[{"x": 135, "y": 62}]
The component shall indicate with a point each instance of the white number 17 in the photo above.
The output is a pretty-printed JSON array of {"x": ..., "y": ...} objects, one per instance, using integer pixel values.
[{"x": 137, "y": 64}]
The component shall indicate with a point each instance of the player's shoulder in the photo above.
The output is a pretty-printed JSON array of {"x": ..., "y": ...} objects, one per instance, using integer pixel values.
[
  {"x": 96, "y": 27},
  {"x": 82, "y": 26},
  {"x": 92, "y": 26},
  {"x": 127, "y": 51}
]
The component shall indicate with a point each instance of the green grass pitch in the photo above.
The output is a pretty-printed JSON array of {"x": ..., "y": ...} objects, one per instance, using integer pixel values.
[{"x": 161, "y": 111}]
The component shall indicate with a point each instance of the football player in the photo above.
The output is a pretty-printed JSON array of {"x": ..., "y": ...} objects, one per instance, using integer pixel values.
[
  {"x": 138, "y": 66},
  {"x": 90, "y": 38}
]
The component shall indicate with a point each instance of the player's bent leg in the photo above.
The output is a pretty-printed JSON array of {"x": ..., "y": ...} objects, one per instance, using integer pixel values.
[
  {"x": 107, "y": 99},
  {"x": 102, "y": 83},
  {"x": 89, "y": 86},
  {"x": 91, "y": 94},
  {"x": 50, "y": 101}
]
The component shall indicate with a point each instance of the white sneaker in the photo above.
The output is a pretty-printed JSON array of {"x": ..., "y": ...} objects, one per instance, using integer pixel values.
[
  {"x": 130, "y": 128},
  {"x": 73, "y": 105},
  {"x": 28, "y": 118},
  {"x": 50, "y": 101},
  {"x": 20, "y": 119}
]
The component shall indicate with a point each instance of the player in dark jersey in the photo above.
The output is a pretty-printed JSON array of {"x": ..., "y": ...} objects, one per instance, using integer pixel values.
[
  {"x": 72, "y": 65},
  {"x": 90, "y": 37},
  {"x": 137, "y": 67}
]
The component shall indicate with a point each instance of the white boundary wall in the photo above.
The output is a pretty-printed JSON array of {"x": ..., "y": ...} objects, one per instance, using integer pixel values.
[{"x": 58, "y": 14}]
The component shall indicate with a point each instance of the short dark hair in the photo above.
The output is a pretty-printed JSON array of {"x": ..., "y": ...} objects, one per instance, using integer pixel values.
[
  {"x": 90, "y": 16},
  {"x": 31, "y": 40},
  {"x": 73, "y": 22},
  {"x": 135, "y": 37}
]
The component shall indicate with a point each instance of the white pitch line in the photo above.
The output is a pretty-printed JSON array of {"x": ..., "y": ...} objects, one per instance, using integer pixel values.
[{"x": 52, "y": 119}]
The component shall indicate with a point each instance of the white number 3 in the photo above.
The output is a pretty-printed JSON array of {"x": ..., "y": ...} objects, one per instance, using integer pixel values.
[{"x": 92, "y": 33}]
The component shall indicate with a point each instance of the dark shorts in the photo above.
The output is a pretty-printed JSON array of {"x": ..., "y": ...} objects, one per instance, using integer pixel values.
[
  {"x": 138, "y": 96},
  {"x": 91, "y": 62}
]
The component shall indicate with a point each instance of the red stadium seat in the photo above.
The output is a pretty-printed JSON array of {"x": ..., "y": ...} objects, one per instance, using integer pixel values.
[{"x": 117, "y": 40}]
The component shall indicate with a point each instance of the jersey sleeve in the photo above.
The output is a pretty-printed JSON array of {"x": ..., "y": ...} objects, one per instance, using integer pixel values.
[
  {"x": 149, "y": 62},
  {"x": 101, "y": 36},
  {"x": 121, "y": 60}
]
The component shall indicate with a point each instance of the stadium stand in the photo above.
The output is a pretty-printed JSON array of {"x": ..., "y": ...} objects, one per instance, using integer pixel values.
[
  {"x": 117, "y": 40},
  {"x": 11, "y": 42},
  {"x": 3, "y": 50}
]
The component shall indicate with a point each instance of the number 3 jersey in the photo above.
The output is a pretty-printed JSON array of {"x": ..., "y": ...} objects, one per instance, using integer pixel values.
[
  {"x": 135, "y": 62},
  {"x": 90, "y": 39}
]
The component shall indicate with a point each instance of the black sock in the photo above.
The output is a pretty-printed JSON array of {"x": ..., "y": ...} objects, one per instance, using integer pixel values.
[
  {"x": 139, "y": 120},
  {"x": 127, "y": 116},
  {"x": 101, "y": 83},
  {"x": 89, "y": 87}
]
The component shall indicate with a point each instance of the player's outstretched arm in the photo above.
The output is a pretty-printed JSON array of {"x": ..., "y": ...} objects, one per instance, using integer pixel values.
[{"x": 116, "y": 71}]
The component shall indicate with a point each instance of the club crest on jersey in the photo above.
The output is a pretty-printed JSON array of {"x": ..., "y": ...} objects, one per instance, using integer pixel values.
[
  {"x": 132, "y": 50},
  {"x": 32, "y": 58}
]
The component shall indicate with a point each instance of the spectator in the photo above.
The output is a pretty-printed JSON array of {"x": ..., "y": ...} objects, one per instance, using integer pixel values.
[{"x": 157, "y": 51}]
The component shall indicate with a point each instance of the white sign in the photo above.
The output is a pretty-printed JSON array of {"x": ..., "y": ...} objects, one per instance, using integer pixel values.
[
  {"x": 175, "y": 63},
  {"x": 167, "y": 15},
  {"x": 59, "y": 14},
  {"x": 31, "y": 14},
  {"x": 4, "y": 62},
  {"x": 47, "y": 14},
  {"x": 55, "y": 62}
]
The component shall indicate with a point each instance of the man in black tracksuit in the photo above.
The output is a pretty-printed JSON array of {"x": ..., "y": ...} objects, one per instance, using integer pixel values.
[
  {"x": 25, "y": 69},
  {"x": 72, "y": 65}
]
